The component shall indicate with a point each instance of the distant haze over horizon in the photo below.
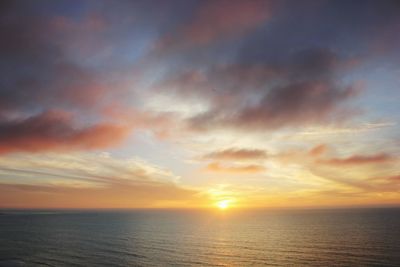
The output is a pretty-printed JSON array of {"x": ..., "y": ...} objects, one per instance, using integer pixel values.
[{"x": 199, "y": 104}]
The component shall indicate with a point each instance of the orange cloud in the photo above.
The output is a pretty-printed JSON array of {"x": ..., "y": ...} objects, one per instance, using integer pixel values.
[
  {"x": 358, "y": 159},
  {"x": 395, "y": 178},
  {"x": 237, "y": 154},
  {"x": 217, "y": 167},
  {"x": 77, "y": 180},
  {"x": 117, "y": 196},
  {"x": 318, "y": 150}
]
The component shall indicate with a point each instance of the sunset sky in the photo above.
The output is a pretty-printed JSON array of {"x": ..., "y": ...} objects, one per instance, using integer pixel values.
[{"x": 184, "y": 104}]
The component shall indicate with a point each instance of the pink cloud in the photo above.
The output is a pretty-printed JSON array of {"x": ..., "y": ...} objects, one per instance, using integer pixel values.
[
  {"x": 216, "y": 20},
  {"x": 225, "y": 18},
  {"x": 56, "y": 130}
]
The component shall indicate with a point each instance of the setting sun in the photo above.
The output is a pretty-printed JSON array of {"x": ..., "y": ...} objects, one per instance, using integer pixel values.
[{"x": 223, "y": 204}]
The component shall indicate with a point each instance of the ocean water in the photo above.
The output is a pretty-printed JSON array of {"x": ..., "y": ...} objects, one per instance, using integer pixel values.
[{"x": 353, "y": 237}]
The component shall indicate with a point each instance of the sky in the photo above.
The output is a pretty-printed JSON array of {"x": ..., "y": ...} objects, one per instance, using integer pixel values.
[{"x": 190, "y": 104}]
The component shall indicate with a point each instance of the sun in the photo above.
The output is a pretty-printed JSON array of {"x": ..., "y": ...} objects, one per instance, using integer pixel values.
[{"x": 223, "y": 204}]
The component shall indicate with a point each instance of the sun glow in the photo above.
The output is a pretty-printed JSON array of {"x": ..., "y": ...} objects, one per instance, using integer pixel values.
[{"x": 223, "y": 204}]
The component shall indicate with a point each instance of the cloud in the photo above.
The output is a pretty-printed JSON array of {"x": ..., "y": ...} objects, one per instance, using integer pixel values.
[
  {"x": 374, "y": 184},
  {"x": 215, "y": 20},
  {"x": 296, "y": 104},
  {"x": 318, "y": 150},
  {"x": 116, "y": 196},
  {"x": 41, "y": 68},
  {"x": 395, "y": 178},
  {"x": 217, "y": 167},
  {"x": 55, "y": 130},
  {"x": 224, "y": 18},
  {"x": 388, "y": 183},
  {"x": 301, "y": 91},
  {"x": 48, "y": 65},
  {"x": 358, "y": 159},
  {"x": 89, "y": 181},
  {"x": 237, "y": 154}
]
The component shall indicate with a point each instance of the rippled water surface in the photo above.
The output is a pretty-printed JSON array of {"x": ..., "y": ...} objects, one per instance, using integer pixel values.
[{"x": 354, "y": 237}]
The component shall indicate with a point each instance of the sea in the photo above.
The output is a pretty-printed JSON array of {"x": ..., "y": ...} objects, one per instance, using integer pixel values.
[{"x": 335, "y": 237}]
